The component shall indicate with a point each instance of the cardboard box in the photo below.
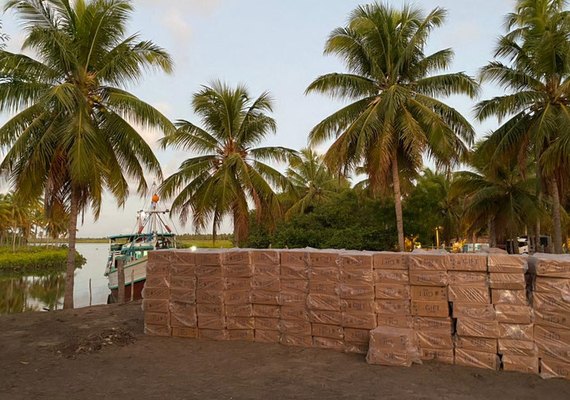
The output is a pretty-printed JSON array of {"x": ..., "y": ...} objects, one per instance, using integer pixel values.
[
  {"x": 236, "y": 257},
  {"x": 430, "y": 308},
  {"x": 516, "y": 331},
  {"x": 237, "y": 271},
  {"x": 294, "y": 313},
  {"x": 185, "y": 332},
  {"x": 294, "y": 271},
  {"x": 484, "y": 312},
  {"x": 294, "y": 286},
  {"x": 477, "y": 359},
  {"x": 357, "y": 277},
  {"x": 208, "y": 257},
  {"x": 392, "y": 291},
  {"x": 528, "y": 365},
  {"x": 329, "y": 274},
  {"x": 159, "y": 306},
  {"x": 554, "y": 351},
  {"x": 477, "y": 328},
  {"x": 358, "y": 320},
  {"x": 554, "y": 266},
  {"x": 155, "y": 318},
  {"x": 506, "y": 263},
  {"x": 357, "y": 306},
  {"x": 393, "y": 346},
  {"x": 546, "y": 336},
  {"x": 391, "y": 358},
  {"x": 325, "y": 317},
  {"x": 553, "y": 319},
  {"x": 296, "y": 340},
  {"x": 293, "y": 298},
  {"x": 181, "y": 270},
  {"x": 428, "y": 293},
  {"x": 461, "y": 278},
  {"x": 238, "y": 284},
  {"x": 267, "y": 311},
  {"x": 467, "y": 262},
  {"x": 550, "y": 302},
  {"x": 266, "y": 324},
  {"x": 158, "y": 268},
  {"x": 469, "y": 294},
  {"x": 302, "y": 328},
  {"x": 434, "y": 340},
  {"x": 158, "y": 281},
  {"x": 179, "y": 256},
  {"x": 328, "y": 343},
  {"x": 264, "y": 257},
  {"x": 237, "y": 297},
  {"x": 259, "y": 296},
  {"x": 551, "y": 368},
  {"x": 211, "y": 321},
  {"x": 355, "y": 348},
  {"x": 395, "y": 321},
  {"x": 390, "y": 261},
  {"x": 266, "y": 336},
  {"x": 240, "y": 323},
  {"x": 213, "y": 334},
  {"x": 518, "y": 347},
  {"x": 213, "y": 284},
  {"x": 443, "y": 325},
  {"x": 391, "y": 276},
  {"x": 324, "y": 287},
  {"x": 428, "y": 278},
  {"x": 513, "y": 314},
  {"x": 267, "y": 270},
  {"x": 181, "y": 295},
  {"x": 514, "y": 297},
  {"x": 323, "y": 302},
  {"x": 183, "y": 315},
  {"x": 207, "y": 297},
  {"x": 356, "y": 335},
  {"x": 356, "y": 292},
  {"x": 240, "y": 310},
  {"x": 245, "y": 335},
  {"x": 160, "y": 257},
  {"x": 512, "y": 281},
  {"x": 323, "y": 259},
  {"x": 208, "y": 271},
  {"x": 159, "y": 293},
  {"x": 484, "y": 345},
  {"x": 552, "y": 285},
  {"x": 396, "y": 307},
  {"x": 356, "y": 260},
  {"x": 327, "y": 331},
  {"x": 444, "y": 356},
  {"x": 428, "y": 262},
  {"x": 157, "y": 330}
]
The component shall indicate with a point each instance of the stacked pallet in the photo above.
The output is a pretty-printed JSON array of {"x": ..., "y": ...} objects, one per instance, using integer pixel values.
[
  {"x": 476, "y": 323},
  {"x": 551, "y": 303}
]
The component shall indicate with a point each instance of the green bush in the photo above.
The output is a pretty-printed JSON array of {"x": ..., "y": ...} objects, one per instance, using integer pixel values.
[{"x": 36, "y": 259}]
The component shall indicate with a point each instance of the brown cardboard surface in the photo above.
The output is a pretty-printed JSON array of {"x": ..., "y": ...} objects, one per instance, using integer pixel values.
[
  {"x": 397, "y": 307},
  {"x": 430, "y": 308},
  {"x": 296, "y": 340},
  {"x": 267, "y": 270},
  {"x": 267, "y": 311},
  {"x": 443, "y": 325},
  {"x": 391, "y": 276},
  {"x": 513, "y": 281},
  {"x": 295, "y": 327},
  {"x": 185, "y": 332},
  {"x": 513, "y": 314},
  {"x": 458, "y": 278},
  {"x": 469, "y": 294},
  {"x": 161, "y": 257},
  {"x": 157, "y": 330},
  {"x": 328, "y": 343},
  {"x": 294, "y": 271},
  {"x": 395, "y": 321},
  {"x": 550, "y": 302},
  {"x": 246, "y": 335},
  {"x": 484, "y": 312},
  {"x": 294, "y": 313},
  {"x": 329, "y": 274},
  {"x": 240, "y": 310},
  {"x": 323, "y": 259},
  {"x": 554, "y": 351},
  {"x": 394, "y": 339},
  {"x": 160, "y": 306},
  {"x": 506, "y": 263},
  {"x": 434, "y": 340},
  {"x": 327, "y": 331},
  {"x": 392, "y": 291},
  {"x": 527, "y": 365},
  {"x": 325, "y": 317},
  {"x": 390, "y": 261},
  {"x": 183, "y": 295},
  {"x": 239, "y": 323},
  {"x": 546, "y": 335},
  {"x": 356, "y": 260},
  {"x": 266, "y": 324},
  {"x": 240, "y": 283},
  {"x": 356, "y": 335},
  {"x": 160, "y": 293},
  {"x": 208, "y": 271},
  {"x": 158, "y": 281},
  {"x": 428, "y": 262},
  {"x": 558, "y": 286},
  {"x": 556, "y": 266},
  {"x": 444, "y": 356},
  {"x": 518, "y": 347},
  {"x": 356, "y": 292},
  {"x": 209, "y": 283},
  {"x": 158, "y": 268},
  {"x": 484, "y": 345},
  {"x": 181, "y": 270},
  {"x": 467, "y": 262},
  {"x": 213, "y": 334},
  {"x": 208, "y": 257},
  {"x": 477, "y": 328},
  {"x": 390, "y": 358},
  {"x": 324, "y": 287},
  {"x": 183, "y": 315},
  {"x": 294, "y": 257},
  {"x": 551, "y": 368},
  {"x": 209, "y": 296},
  {"x": 357, "y": 306},
  {"x": 358, "y": 320},
  {"x": 237, "y": 271},
  {"x": 266, "y": 336},
  {"x": 500, "y": 296},
  {"x": 264, "y": 257},
  {"x": 185, "y": 257},
  {"x": 237, "y": 297},
  {"x": 357, "y": 277},
  {"x": 477, "y": 359},
  {"x": 236, "y": 257},
  {"x": 428, "y": 278},
  {"x": 323, "y": 302},
  {"x": 516, "y": 331},
  {"x": 428, "y": 293},
  {"x": 554, "y": 319},
  {"x": 356, "y": 348},
  {"x": 156, "y": 318},
  {"x": 211, "y": 321},
  {"x": 260, "y": 296}
]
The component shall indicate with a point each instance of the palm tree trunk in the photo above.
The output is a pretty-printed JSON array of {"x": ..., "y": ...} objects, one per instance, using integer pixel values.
[
  {"x": 398, "y": 201},
  {"x": 492, "y": 233},
  {"x": 72, "y": 231},
  {"x": 556, "y": 219},
  {"x": 537, "y": 246}
]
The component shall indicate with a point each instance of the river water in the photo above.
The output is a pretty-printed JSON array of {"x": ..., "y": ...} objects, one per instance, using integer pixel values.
[{"x": 35, "y": 293}]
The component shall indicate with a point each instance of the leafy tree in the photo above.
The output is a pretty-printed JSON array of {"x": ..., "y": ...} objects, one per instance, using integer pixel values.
[
  {"x": 394, "y": 118},
  {"x": 535, "y": 113},
  {"x": 229, "y": 171},
  {"x": 72, "y": 135}
]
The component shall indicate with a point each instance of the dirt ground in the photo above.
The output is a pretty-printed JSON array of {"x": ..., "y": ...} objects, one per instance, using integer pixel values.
[{"x": 101, "y": 353}]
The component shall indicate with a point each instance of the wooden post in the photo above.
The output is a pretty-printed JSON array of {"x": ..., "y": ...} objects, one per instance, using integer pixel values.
[
  {"x": 132, "y": 284},
  {"x": 90, "y": 294},
  {"x": 121, "y": 281}
]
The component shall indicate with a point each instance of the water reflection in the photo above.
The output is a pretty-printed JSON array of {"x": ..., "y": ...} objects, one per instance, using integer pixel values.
[{"x": 31, "y": 293}]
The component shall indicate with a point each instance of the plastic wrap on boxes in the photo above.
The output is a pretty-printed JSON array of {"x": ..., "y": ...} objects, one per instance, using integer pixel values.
[
  {"x": 469, "y": 294},
  {"x": 294, "y": 286},
  {"x": 160, "y": 306},
  {"x": 500, "y": 296},
  {"x": 484, "y": 345},
  {"x": 358, "y": 320},
  {"x": 553, "y": 285},
  {"x": 551, "y": 368},
  {"x": 323, "y": 302},
  {"x": 391, "y": 276},
  {"x": 158, "y": 281},
  {"x": 163, "y": 257},
  {"x": 390, "y": 261},
  {"x": 523, "y": 364},
  {"x": 240, "y": 310},
  {"x": 550, "y": 302},
  {"x": 328, "y": 343},
  {"x": 157, "y": 330},
  {"x": 512, "y": 281},
  {"x": 208, "y": 271},
  {"x": 327, "y": 331},
  {"x": 484, "y": 312},
  {"x": 467, "y": 262},
  {"x": 428, "y": 262},
  {"x": 357, "y": 276},
  {"x": 182, "y": 295},
  {"x": 185, "y": 332},
  {"x": 267, "y": 270},
  {"x": 428, "y": 278},
  {"x": 392, "y": 291},
  {"x": 553, "y": 350},
  {"x": 477, "y": 328},
  {"x": 267, "y": 324},
  {"x": 183, "y": 315},
  {"x": 211, "y": 321},
  {"x": 246, "y": 335},
  {"x": 325, "y": 317},
  {"x": 295, "y": 327},
  {"x": 552, "y": 265},
  {"x": 393, "y": 346},
  {"x": 154, "y": 268},
  {"x": 182, "y": 271},
  {"x": 208, "y": 257},
  {"x": 237, "y": 297},
  {"x": 260, "y": 296},
  {"x": 395, "y": 321},
  {"x": 357, "y": 306},
  {"x": 323, "y": 258},
  {"x": 356, "y": 260},
  {"x": 208, "y": 296},
  {"x": 181, "y": 282},
  {"x": 155, "y": 318},
  {"x": 357, "y": 335},
  {"x": 239, "y": 284},
  {"x": 548, "y": 336},
  {"x": 294, "y": 313},
  {"x": 513, "y": 314},
  {"x": 240, "y": 323},
  {"x": 428, "y": 293},
  {"x": 324, "y": 287},
  {"x": 396, "y": 307},
  {"x": 461, "y": 278},
  {"x": 326, "y": 274},
  {"x": 434, "y": 340},
  {"x": 477, "y": 359},
  {"x": 264, "y": 257},
  {"x": 516, "y": 331},
  {"x": 162, "y": 293},
  {"x": 554, "y": 319},
  {"x": 182, "y": 257},
  {"x": 266, "y": 336},
  {"x": 237, "y": 271},
  {"x": 213, "y": 334},
  {"x": 214, "y": 284},
  {"x": 294, "y": 272},
  {"x": 267, "y": 311},
  {"x": 235, "y": 256},
  {"x": 444, "y": 356},
  {"x": 518, "y": 347},
  {"x": 356, "y": 292},
  {"x": 289, "y": 297},
  {"x": 430, "y": 308},
  {"x": 443, "y": 325},
  {"x": 356, "y": 348},
  {"x": 296, "y": 340},
  {"x": 507, "y": 263}
]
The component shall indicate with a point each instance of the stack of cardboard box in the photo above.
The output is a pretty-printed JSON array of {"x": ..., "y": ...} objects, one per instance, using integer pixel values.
[
  {"x": 182, "y": 303},
  {"x": 210, "y": 296},
  {"x": 156, "y": 294},
  {"x": 477, "y": 328},
  {"x": 392, "y": 290},
  {"x": 237, "y": 273},
  {"x": 265, "y": 295},
  {"x": 294, "y": 325},
  {"x": 513, "y": 311},
  {"x": 551, "y": 303}
]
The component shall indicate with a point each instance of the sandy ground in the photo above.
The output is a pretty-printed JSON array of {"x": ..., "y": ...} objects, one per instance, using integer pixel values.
[{"x": 101, "y": 353}]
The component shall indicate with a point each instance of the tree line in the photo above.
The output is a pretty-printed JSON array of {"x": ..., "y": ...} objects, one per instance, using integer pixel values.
[{"x": 72, "y": 135}]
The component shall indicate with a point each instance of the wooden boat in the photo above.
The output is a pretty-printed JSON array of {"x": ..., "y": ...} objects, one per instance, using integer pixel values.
[{"x": 131, "y": 251}]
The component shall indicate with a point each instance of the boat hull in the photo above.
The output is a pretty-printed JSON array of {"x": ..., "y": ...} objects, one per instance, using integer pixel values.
[{"x": 135, "y": 277}]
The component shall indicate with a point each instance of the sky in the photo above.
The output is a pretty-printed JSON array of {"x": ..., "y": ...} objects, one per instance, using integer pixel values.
[{"x": 275, "y": 46}]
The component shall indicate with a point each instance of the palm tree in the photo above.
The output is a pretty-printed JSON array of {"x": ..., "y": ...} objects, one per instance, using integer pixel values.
[
  {"x": 395, "y": 118},
  {"x": 72, "y": 136},
  {"x": 537, "y": 109},
  {"x": 230, "y": 172},
  {"x": 312, "y": 183}
]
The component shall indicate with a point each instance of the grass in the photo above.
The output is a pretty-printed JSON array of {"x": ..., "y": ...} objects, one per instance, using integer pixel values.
[
  {"x": 35, "y": 259},
  {"x": 203, "y": 243}
]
